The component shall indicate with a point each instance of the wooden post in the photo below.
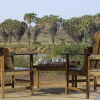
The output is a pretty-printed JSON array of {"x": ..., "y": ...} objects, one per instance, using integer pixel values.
[
  {"x": 37, "y": 78},
  {"x": 88, "y": 78},
  {"x": 67, "y": 74},
  {"x": 2, "y": 77},
  {"x": 95, "y": 83},
  {"x": 31, "y": 75}
]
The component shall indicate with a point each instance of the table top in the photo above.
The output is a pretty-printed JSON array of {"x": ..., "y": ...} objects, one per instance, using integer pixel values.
[{"x": 58, "y": 64}]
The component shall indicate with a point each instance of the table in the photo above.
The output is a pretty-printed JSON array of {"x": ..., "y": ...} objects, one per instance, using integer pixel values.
[{"x": 52, "y": 66}]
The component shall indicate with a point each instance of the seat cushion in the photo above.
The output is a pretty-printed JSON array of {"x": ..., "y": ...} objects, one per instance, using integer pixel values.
[
  {"x": 75, "y": 69},
  {"x": 21, "y": 69}
]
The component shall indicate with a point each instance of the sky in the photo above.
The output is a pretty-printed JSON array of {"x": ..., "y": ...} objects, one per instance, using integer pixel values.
[{"x": 66, "y": 9}]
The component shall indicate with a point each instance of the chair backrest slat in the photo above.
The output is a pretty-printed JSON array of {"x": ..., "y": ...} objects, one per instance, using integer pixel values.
[
  {"x": 96, "y": 50},
  {"x": 96, "y": 64}
]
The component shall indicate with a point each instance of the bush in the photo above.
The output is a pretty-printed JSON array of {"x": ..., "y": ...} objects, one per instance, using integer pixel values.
[
  {"x": 65, "y": 48},
  {"x": 21, "y": 61}
]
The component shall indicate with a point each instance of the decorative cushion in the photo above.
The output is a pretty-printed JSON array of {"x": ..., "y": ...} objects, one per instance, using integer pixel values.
[{"x": 8, "y": 65}]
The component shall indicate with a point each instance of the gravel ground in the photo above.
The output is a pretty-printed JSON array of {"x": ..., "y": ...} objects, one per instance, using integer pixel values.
[{"x": 51, "y": 88}]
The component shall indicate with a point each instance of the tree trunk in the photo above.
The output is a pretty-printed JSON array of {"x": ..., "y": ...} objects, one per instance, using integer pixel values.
[
  {"x": 52, "y": 37},
  {"x": 5, "y": 43},
  {"x": 17, "y": 43},
  {"x": 10, "y": 41},
  {"x": 29, "y": 35},
  {"x": 34, "y": 39},
  {"x": 29, "y": 41}
]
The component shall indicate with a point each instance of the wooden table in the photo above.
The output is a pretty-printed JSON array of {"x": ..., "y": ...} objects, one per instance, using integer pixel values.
[{"x": 52, "y": 66}]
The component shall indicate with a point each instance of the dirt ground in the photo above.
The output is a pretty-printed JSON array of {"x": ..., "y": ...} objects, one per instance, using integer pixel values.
[{"x": 52, "y": 87}]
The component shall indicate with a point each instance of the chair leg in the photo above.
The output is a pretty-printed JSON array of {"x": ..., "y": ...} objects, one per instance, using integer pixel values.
[
  {"x": 73, "y": 85},
  {"x": 2, "y": 78},
  {"x": 32, "y": 82},
  {"x": 37, "y": 78},
  {"x": 87, "y": 86},
  {"x": 12, "y": 81},
  {"x": 67, "y": 74},
  {"x": 76, "y": 81},
  {"x": 66, "y": 83},
  {"x": 2, "y": 87},
  {"x": 95, "y": 82}
]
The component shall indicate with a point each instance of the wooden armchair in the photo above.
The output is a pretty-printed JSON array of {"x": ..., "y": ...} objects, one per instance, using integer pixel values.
[
  {"x": 89, "y": 67},
  {"x": 7, "y": 69}
]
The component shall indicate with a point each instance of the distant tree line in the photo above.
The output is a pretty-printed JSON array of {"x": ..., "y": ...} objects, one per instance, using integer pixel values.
[
  {"x": 78, "y": 27},
  {"x": 82, "y": 27},
  {"x": 12, "y": 28}
]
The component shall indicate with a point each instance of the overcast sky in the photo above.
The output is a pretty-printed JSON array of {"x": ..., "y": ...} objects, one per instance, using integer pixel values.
[{"x": 64, "y": 8}]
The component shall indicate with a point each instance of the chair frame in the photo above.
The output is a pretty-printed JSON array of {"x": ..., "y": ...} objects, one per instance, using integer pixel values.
[
  {"x": 88, "y": 73},
  {"x": 75, "y": 73},
  {"x": 95, "y": 72},
  {"x": 4, "y": 73}
]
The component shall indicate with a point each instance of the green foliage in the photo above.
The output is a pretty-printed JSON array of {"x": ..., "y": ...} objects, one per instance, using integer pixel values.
[
  {"x": 21, "y": 61},
  {"x": 65, "y": 48},
  {"x": 51, "y": 23},
  {"x": 82, "y": 27},
  {"x": 79, "y": 28},
  {"x": 12, "y": 28},
  {"x": 30, "y": 17},
  {"x": 48, "y": 19}
]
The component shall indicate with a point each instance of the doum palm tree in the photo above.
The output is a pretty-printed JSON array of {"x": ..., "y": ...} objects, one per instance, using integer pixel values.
[{"x": 29, "y": 18}]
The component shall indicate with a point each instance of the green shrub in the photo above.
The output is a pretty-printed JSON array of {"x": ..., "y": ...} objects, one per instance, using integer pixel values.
[
  {"x": 21, "y": 61},
  {"x": 55, "y": 52}
]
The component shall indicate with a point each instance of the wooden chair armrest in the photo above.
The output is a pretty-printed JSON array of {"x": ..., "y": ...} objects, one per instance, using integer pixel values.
[
  {"x": 7, "y": 55},
  {"x": 74, "y": 53},
  {"x": 89, "y": 50}
]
